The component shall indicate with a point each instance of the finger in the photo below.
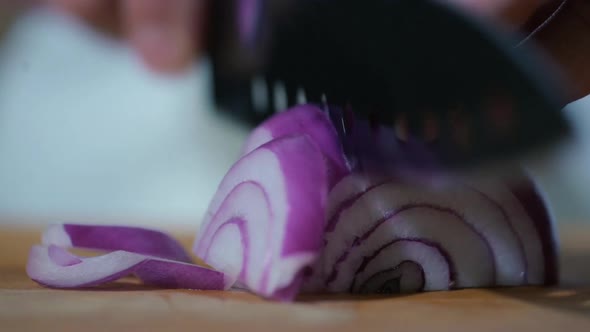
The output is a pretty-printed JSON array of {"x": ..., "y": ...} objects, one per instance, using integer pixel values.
[
  {"x": 566, "y": 38},
  {"x": 163, "y": 31}
]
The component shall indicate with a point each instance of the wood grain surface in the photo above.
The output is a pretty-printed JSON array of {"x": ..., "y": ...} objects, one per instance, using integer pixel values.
[{"x": 128, "y": 306}]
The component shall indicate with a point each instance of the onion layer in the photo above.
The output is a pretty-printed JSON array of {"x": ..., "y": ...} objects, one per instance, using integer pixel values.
[
  {"x": 309, "y": 121},
  {"x": 55, "y": 267},
  {"x": 152, "y": 256},
  {"x": 265, "y": 223}
]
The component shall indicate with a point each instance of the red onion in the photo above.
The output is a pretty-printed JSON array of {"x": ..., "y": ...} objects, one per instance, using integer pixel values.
[{"x": 291, "y": 217}]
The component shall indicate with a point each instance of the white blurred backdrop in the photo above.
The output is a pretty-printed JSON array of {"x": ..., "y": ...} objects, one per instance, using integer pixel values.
[{"x": 88, "y": 135}]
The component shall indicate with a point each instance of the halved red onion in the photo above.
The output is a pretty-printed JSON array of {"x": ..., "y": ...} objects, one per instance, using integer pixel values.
[
  {"x": 480, "y": 229},
  {"x": 55, "y": 267},
  {"x": 289, "y": 217},
  {"x": 265, "y": 224}
]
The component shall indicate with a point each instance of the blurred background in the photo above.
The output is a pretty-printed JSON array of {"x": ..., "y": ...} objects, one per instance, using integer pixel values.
[{"x": 87, "y": 134}]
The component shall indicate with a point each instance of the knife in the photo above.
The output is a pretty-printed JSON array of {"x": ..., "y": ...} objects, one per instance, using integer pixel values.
[{"x": 409, "y": 84}]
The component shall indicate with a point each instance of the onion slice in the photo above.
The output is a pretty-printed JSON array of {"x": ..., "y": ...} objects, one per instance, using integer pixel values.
[
  {"x": 55, "y": 267},
  {"x": 110, "y": 238},
  {"x": 265, "y": 224}
]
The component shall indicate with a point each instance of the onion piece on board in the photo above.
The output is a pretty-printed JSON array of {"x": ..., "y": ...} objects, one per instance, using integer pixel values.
[
  {"x": 485, "y": 235},
  {"x": 55, "y": 267}
]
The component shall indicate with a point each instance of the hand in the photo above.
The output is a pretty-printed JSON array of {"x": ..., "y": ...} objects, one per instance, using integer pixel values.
[{"x": 167, "y": 34}]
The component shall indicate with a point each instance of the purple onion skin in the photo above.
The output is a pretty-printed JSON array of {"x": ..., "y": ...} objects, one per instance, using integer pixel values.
[
  {"x": 172, "y": 275},
  {"x": 111, "y": 238},
  {"x": 304, "y": 228},
  {"x": 309, "y": 121}
]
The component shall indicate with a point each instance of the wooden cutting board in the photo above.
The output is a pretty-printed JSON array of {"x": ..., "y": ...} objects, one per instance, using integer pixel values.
[{"x": 127, "y": 306}]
